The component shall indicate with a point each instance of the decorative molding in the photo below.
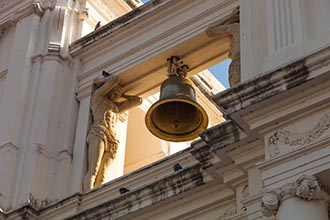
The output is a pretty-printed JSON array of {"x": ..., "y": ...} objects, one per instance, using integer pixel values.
[
  {"x": 146, "y": 196},
  {"x": 54, "y": 48},
  {"x": 275, "y": 83},
  {"x": 8, "y": 146},
  {"x": 292, "y": 139},
  {"x": 64, "y": 155},
  {"x": 306, "y": 187},
  {"x": 148, "y": 13},
  {"x": 53, "y": 54},
  {"x": 27, "y": 212},
  {"x": 8, "y": 3},
  {"x": 24, "y": 9},
  {"x": 163, "y": 183},
  {"x": 222, "y": 135},
  {"x": 84, "y": 92}
]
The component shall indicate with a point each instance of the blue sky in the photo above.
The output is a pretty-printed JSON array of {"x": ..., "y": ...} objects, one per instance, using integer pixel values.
[{"x": 220, "y": 70}]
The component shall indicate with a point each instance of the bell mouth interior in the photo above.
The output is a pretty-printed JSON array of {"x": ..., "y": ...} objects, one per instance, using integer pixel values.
[{"x": 176, "y": 120}]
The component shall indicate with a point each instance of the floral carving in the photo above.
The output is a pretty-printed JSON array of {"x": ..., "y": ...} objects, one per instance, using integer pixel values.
[{"x": 297, "y": 139}]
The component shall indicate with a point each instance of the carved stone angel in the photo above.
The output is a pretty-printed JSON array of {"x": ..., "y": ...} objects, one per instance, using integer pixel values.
[{"x": 108, "y": 101}]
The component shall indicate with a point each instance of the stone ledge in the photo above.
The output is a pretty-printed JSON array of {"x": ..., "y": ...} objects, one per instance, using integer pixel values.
[
  {"x": 114, "y": 25},
  {"x": 262, "y": 87},
  {"x": 159, "y": 173},
  {"x": 146, "y": 196},
  {"x": 224, "y": 134},
  {"x": 25, "y": 213},
  {"x": 268, "y": 85},
  {"x": 116, "y": 206}
]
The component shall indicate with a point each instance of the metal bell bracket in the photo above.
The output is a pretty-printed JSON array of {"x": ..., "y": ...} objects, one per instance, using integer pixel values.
[{"x": 176, "y": 67}]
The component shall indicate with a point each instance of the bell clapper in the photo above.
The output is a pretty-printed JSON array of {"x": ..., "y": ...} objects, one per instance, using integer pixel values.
[{"x": 176, "y": 122}]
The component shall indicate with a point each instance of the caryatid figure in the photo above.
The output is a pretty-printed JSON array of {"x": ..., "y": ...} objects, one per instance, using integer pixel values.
[
  {"x": 108, "y": 101},
  {"x": 230, "y": 28}
]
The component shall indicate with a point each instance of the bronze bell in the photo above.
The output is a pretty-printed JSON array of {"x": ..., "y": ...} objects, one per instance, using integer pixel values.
[{"x": 176, "y": 116}]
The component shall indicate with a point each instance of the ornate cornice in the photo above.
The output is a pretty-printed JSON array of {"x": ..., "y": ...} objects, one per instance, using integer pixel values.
[{"x": 306, "y": 187}]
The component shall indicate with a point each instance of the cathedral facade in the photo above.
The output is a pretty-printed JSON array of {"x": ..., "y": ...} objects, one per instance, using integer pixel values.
[{"x": 265, "y": 153}]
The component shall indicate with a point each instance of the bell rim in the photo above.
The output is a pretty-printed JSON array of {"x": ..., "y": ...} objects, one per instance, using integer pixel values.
[{"x": 170, "y": 137}]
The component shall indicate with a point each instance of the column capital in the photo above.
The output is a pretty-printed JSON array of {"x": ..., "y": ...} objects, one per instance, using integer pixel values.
[{"x": 306, "y": 187}]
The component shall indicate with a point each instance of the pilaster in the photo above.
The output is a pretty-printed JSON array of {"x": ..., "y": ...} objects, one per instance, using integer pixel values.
[
  {"x": 14, "y": 94},
  {"x": 17, "y": 78},
  {"x": 253, "y": 38},
  {"x": 284, "y": 23},
  {"x": 40, "y": 108},
  {"x": 80, "y": 147}
]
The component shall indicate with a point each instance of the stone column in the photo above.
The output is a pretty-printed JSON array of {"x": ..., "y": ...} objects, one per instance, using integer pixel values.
[{"x": 301, "y": 200}]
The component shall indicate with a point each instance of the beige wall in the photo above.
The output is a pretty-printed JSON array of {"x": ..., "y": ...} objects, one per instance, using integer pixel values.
[{"x": 142, "y": 147}]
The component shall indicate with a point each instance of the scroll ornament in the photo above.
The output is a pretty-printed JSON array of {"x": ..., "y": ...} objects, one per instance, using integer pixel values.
[{"x": 306, "y": 187}]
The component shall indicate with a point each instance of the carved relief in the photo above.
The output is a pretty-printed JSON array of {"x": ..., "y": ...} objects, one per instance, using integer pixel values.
[
  {"x": 286, "y": 137},
  {"x": 306, "y": 187},
  {"x": 229, "y": 212}
]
